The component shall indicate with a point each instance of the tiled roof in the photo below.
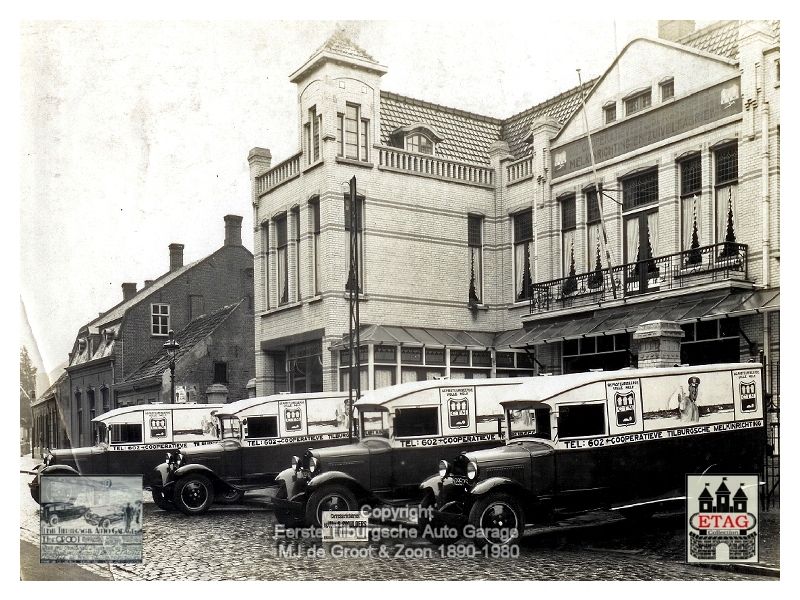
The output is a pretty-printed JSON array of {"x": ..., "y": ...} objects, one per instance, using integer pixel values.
[
  {"x": 339, "y": 43},
  {"x": 187, "y": 338},
  {"x": 51, "y": 391},
  {"x": 467, "y": 136},
  {"x": 721, "y": 38},
  {"x": 560, "y": 108}
]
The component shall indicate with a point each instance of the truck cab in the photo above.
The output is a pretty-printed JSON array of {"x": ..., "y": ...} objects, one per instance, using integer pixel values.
[
  {"x": 130, "y": 440},
  {"x": 403, "y": 428},
  {"x": 619, "y": 440},
  {"x": 257, "y": 438}
]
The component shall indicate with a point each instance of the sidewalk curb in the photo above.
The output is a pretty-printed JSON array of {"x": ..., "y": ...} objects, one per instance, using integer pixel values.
[{"x": 742, "y": 568}]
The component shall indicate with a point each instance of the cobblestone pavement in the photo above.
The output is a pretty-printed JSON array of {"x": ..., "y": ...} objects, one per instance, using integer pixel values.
[{"x": 238, "y": 543}]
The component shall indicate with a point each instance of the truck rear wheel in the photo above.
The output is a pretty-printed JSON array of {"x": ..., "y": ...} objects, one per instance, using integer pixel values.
[
  {"x": 498, "y": 520},
  {"x": 328, "y": 497},
  {"x": 229, "y": 496},
  {"x": 193, "y": 494}
]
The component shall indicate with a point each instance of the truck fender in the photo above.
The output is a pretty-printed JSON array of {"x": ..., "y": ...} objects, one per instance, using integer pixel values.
[
  {"x": 202, "y": 469},
  {"x": 432, "y": 484},
  {"x": 58, "y": 469},
  {"x": 159, "y": 477},
  {"x": 288, "y": 479},
  {"x": 337, "y": 477},
  {"x": 496, "y": 483}
]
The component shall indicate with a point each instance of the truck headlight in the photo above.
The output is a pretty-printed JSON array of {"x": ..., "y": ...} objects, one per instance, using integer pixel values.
[
  {"x": 444, "y": 468},
  {"x": 313, "y": 464},
  {"x": 296, "y": 463},
  {"x": 472, "y": 470},
  {"x": 47, "y": 459}
]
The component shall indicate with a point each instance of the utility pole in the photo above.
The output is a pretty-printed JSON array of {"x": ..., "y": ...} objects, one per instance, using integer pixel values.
[{"x": 354, "y": 288}]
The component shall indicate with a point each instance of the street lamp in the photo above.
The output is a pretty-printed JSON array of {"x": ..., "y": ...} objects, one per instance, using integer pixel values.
[{"x": 172, "y": 350}]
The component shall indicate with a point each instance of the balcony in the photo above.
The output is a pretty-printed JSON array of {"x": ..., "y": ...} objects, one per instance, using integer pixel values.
[
  {"x": 278, "y": 174},
  {"x": 683, "y": 270},
  {"x": 395, "y": 159}
]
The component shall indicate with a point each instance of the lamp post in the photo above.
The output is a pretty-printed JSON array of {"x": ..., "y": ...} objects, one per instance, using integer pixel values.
[{"x": 172, "y": 350}]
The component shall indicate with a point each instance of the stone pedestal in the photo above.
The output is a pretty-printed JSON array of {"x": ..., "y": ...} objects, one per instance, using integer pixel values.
[
  {"x": 659, "y": 344},
  {"x": 216, "y": 393},
  {"x": 251, "y": 388}
]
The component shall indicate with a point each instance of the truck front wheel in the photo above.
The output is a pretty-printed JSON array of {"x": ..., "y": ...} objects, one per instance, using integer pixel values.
[
  {"x": 498, "y": 520},
  {"x": 162, "y": 501},
  {"x": 193, "y": 495},
  {"x": 329, "y": 497}
]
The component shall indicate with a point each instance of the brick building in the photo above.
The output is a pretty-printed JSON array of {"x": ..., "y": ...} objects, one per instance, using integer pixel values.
[
  {"x": 500, "y": 247},
  {"x": 118, "y": 358}
]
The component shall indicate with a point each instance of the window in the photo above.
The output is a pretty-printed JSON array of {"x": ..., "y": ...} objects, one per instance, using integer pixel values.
[
  {"x": 610, "y": 112},
  {"x": 312, "y": 134},
  {"x": 726, "y": 184},
  {"x": 523, "y": 236},
  {"x": 640, "y": 189},
  {"x": 296, "y": 232},
  {"x": 667, "y": 89},
  {"x": 92, "y": 408},
  {"x": 416, "y": 422},
  {"x": 265, "y": 262},
  {"x": 581, "y": 420},
  {"x": 475, "y": 241},
  {"x": 419, "y": 143},
  {"x": 261, "y": 427},
  {"x": 568, "y": 224},
  {"x": 353, "y": 226},
  {"x": 593, "y": 233},
  {"x": 79, "y": 410},
  {"x": 607, "y": 352},
  {"x": 283, "y": 259},
  {"x": 126, "y": 433},
  {"x": 352, "y": 133},
  {"x": 315, "y": 248},
  {"x": 638, "y": 102},
  {"x": 691, "y": 209},
  {"x": 160, "y": 319},
  {"x": 304, "y": 366},
  {"x": 104, "y": 395},
  {"x": 220, "y": 372}
]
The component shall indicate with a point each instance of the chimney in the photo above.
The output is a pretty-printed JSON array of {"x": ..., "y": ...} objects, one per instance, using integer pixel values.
[
  {"x": 175, "y": 256},
  {"x": 128, "y": 291},
  {"x": 233, "y": 230},
  {"x": 672, "y": 31},
  {"x": 148, "y": 282}
]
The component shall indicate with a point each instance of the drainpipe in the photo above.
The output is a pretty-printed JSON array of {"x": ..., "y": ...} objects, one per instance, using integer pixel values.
[{"x": 765, "y": 200}]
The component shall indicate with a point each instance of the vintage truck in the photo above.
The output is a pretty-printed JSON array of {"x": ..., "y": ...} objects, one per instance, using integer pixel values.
[
  {"x": 622, "y": 440},
  {"x": 128, "y": 441},
  {"x": 257, "y": 438},
  {"x": 404, "y": 429}
]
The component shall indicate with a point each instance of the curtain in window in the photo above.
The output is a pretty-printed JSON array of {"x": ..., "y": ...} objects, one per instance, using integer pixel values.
[
  {"x": 691, "y": 213},
  {"x": 476, "y": 269},
  {"x": 726, "y": 221},
  {"x": 283, "y": 279},
  {"x": 407, "y": 375},
  {"x": 652, "y": 230},
  {"x": 384, "y": 377},
  {"x": 593, "y": 240},
  {"x": 522, "y": 268},
  {"x": 567, "y": 247},
  {"x": 631, "y": 239}
]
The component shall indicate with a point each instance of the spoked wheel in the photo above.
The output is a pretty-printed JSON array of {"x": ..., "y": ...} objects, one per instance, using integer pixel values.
[
  {"x": 162, "y": 501},
  {"x": 193, "y": 495},
  {"x": 331, "y": 497},
  {"x": 53, "y": 520},
  {"x": 229, "y": 496},
  {"x": 498, "y": 520}
]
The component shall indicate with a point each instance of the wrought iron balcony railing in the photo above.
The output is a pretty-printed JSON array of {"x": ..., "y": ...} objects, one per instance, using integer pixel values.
[{"x": 689, "y": 268}]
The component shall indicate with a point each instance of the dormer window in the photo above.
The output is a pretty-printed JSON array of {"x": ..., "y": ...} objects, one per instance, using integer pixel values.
[
  {"x": 420, "y": 138},
  {"x": 638, "y": 101},
  {"x": 610, "y": 112},
  {"x": 419, "y": 143},
  {"x": 667, "y": 89}
]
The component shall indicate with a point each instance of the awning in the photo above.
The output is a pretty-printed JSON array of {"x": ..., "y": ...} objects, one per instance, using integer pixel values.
[
  {"x": 626, "y": 319},
  {"x": 419, "y": 336}
]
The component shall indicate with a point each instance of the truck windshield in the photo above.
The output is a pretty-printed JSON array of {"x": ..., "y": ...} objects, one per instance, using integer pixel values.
[
  {"x": 375, "y": 423},
  {"x": 529, "y": 423},
  {"x": 230, "y": 428}
]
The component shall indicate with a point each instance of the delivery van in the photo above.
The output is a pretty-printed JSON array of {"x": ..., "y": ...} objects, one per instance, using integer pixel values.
[
  {"x": 403, "y": 429},
  {"x": 257, "y": 438},
  {"x": 131, "y": 440},
  {"x": 622, "y": 440}
]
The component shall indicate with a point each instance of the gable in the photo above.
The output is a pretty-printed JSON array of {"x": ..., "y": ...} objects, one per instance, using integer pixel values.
[{"x": 645, "y": 64}]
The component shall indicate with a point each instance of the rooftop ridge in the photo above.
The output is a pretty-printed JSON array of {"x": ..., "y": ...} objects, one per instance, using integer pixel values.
[
  {"x": 704, "y": 31},
  {"x": 447, "y": 109},
  {"x": 340, "y": 43},
  {"x": 587, "y": 85}
]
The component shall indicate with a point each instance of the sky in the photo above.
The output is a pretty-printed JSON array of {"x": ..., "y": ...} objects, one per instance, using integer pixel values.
[{"x": 135, "y": 134}]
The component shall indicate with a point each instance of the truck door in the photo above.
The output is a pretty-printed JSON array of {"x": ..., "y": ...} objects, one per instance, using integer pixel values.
[{"x": 416, "y": 450}]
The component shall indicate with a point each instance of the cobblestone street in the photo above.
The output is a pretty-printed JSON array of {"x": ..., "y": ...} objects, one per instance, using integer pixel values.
[{"x": 238, "y": 543}]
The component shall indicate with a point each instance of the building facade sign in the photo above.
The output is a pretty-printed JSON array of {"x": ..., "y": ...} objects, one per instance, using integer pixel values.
[{"x": 702, "y": 108}]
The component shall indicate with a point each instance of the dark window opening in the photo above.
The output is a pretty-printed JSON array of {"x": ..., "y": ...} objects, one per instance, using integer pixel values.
[
  {"x": 581, "y": 420},
  {"x": 414, "y": 422},
  {"x": 220, "y": 372},
  {"x": 261, "y": 427},
  {"x": 126, "y": 433}
]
